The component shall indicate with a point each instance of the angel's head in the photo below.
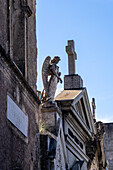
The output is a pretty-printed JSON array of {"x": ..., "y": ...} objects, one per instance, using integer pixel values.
[{"x": 55, "y": 60}]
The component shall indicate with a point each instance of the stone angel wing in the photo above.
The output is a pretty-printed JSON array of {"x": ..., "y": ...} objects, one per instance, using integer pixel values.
[{"x": 45, "y": 73}]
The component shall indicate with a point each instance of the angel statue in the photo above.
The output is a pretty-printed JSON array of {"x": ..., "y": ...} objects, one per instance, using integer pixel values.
[{"x": 50, "y": 78}]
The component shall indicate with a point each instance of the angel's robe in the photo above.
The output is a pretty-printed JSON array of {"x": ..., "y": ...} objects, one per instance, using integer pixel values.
[{"x": 53, "y": 81}]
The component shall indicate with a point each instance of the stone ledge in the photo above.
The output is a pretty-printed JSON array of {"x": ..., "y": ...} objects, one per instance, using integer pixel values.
[{"x": 50, "y": 107}]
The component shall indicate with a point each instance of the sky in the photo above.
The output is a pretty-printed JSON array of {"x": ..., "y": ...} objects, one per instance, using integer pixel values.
[{"x": 90, "y": 24}]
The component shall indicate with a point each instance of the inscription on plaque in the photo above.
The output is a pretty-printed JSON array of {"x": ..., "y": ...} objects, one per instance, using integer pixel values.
[{"x": 16, "y": 116}]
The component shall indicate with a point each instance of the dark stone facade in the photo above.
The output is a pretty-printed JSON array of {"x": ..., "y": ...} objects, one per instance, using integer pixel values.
[
  {"x": 18, "y": 77},
  {"x": 108, "y": 144},
  {"x": 17, "y": 150},
  {"x": 4, "y": 24}
]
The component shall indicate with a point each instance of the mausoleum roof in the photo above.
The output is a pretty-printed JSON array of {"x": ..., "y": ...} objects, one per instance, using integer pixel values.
[{"x": 68, "y": 95}]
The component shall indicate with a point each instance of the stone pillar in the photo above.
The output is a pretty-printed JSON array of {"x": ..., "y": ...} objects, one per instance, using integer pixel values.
[
  {"x": 50, "y": 117},
  {"x": 50, "y": 113},
  {"x": 22, "y": 38}
]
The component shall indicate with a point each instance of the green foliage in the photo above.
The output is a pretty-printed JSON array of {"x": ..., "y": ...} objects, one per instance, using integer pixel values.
[{"x": 43, "y": 126}]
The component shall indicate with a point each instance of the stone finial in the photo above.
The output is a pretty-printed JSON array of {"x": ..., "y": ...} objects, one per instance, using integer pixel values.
[
  {"x": 72, "y": 56},
  {"x": 93, "y": 107}
]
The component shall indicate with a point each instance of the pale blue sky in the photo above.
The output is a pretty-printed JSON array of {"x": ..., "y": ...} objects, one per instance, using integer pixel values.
[{"x": 90, "y": 24}]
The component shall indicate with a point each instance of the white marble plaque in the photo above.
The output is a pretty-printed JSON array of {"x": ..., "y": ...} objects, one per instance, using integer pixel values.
[{"x": 17, "y": 116}]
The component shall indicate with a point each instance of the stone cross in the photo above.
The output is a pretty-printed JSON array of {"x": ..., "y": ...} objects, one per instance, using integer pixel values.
[{"x": 72, "y": 56}]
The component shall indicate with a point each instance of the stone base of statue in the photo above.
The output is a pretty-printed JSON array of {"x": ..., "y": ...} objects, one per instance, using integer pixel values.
[
  {"x": 51, "y": 114},
  {"x": 52, "y": 142},
  {"x": 73, "y": 81}
]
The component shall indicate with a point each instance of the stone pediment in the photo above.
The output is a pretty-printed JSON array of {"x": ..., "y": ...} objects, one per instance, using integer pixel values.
[{"x": 77, "y": 101}]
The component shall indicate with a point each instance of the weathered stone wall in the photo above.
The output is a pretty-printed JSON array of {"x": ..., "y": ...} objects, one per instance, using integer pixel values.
[
  {"x": 32, "y": 48},
  {"x": 24, "y": 39},
  {"x": 18, "y": 35},
  {"x": 108, "y": 144},
  {"x": 3, "y": 24},
  {"x": 17, "y": 150}
]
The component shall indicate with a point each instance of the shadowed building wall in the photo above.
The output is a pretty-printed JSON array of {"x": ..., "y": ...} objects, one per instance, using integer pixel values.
[
  {"x": 19, "y": 103},
  {"x": 108, "y": 144}
]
